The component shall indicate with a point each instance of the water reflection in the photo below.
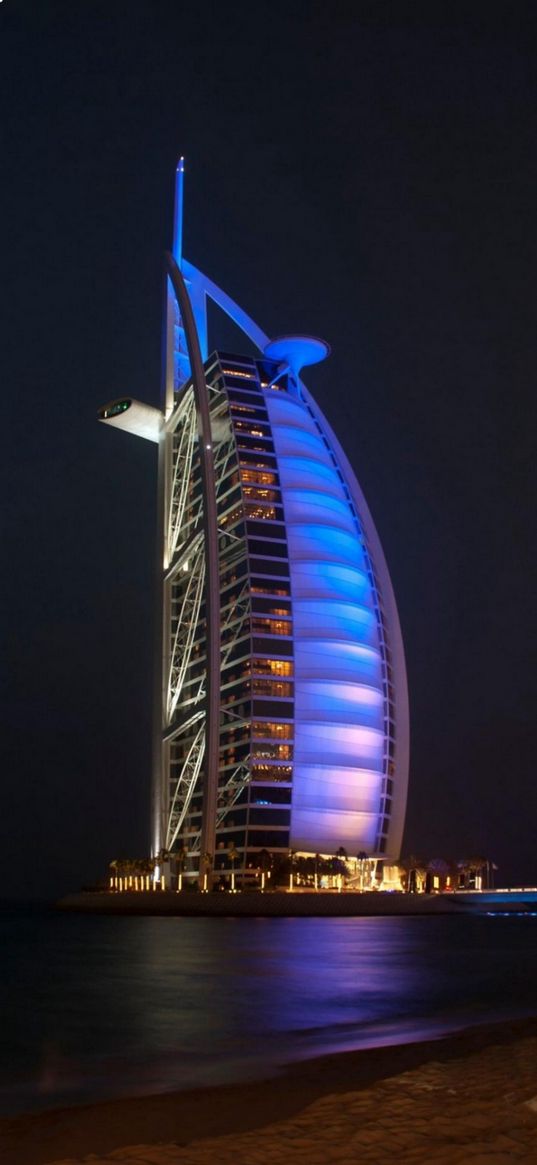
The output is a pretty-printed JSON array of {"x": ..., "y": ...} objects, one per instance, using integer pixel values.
[{"x": 140, "y": 1004}]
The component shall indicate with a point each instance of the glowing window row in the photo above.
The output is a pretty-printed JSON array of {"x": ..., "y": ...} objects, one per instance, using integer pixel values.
[
  {"x": 247, "y": 428},
  {"x": 253, "y": 494},
  {"x": 272, "y": 626},
  {"x": 270, "y": 607},
  {"x": 272, "y": 752},
  {"x": 242, "y": 408},
  {"x": 258, "y": 477},
  {"x": 266, "y": 588},
  {"x": 239, "y": 372},
  {"x": 269, "y": 729},
  {"x": 265, "y": 513},
  {"x": 275, "y": 667},
  {"x": 272, "y": 688}
]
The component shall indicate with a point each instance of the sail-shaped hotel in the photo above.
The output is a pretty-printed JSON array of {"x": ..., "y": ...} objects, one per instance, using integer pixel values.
[{"x": 282, "y": 709}]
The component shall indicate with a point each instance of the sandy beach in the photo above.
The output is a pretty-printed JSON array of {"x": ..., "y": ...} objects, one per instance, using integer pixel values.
[{"x": 471, "y": 1097}]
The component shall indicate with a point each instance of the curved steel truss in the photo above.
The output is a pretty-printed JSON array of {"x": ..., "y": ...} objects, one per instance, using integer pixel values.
[
  {"x": 185, "y": 784},
  {"x": 186, "y": 648}
]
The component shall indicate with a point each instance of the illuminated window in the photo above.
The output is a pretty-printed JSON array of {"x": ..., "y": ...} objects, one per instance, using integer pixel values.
[
  {"x": 271, "y": 729},
  {"x": 259, "y": 478},
  {"x": 272, "y": 688},
  {"x": 250, "y": 460},
  {"x": 248, "y": 428},
  {"x": 237, "y": 372},
  {"x": 240, "y": 408},
  {"x": 268, "y": 773},
  {"x": 272, "y": 752},
  {"x": 264, "y": 512},
  {"x": 275, "y": 667},
  {"x": 233, "y": 516},
  {"x": 265, "y": 446},
  {"x": 266, "y": 588},
  {"x": 268, "y": 606},
  {"x": 272, "y": 626},
  {"x": 261, "y": 495}
]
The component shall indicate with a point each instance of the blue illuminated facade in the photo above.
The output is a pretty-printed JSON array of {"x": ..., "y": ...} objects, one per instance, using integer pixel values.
[
  {"x": 344, "y": 773},
  {"x": 306, "y": 694}
]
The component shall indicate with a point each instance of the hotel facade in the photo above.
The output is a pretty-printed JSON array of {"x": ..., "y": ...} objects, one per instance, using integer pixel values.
[{"x": 281, "y": 695}]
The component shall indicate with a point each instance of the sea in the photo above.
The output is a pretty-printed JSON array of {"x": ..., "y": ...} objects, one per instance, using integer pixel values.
[{"x": 95, "y": 1007}]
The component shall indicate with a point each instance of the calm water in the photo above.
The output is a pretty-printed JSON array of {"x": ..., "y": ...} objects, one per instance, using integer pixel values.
[{"x": 97, "y": 1007}]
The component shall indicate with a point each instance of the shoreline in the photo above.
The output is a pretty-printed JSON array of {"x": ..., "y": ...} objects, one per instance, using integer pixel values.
[
  {"x": 230, "y": 1111},
  {"x": 299, "y": 903}
]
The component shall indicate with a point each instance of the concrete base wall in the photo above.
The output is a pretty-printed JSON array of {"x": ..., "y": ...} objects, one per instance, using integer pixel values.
[{"x": 255, "y": 904}]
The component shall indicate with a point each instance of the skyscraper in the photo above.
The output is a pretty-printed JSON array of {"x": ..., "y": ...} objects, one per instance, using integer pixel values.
[{"x": 282, "y": 710}]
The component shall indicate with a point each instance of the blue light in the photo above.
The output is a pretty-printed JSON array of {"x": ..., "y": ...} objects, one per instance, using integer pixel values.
[
  {"x": 339, "y": 702},
  {"x": 297, "y": 352}
]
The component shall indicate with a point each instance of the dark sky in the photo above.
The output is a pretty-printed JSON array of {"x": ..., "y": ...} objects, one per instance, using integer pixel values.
[{"x": 361, "y": 171}]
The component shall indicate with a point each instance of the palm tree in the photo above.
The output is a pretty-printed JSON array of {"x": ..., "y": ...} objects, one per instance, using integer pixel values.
[
  {"x": 280, "y": 870},
  {"x": 339, "y": 865},
  {"x": 124, "y": 868},
  {"x": 292, "y": 856},
  {"x": 207, "y": 863},
  {"x": 147, "y": 865},
  {"x": 413, "y": 873},
  {"x": 471, "y": 869},
  {"x": 478, "y": 868},
  {"x": 180, "y": 858},
  {"x": 233, "y": 854},
  {"x": 265, "y": 863},
  {"x": 439, "y": 869},
  {"x": 361, "y": 858}
]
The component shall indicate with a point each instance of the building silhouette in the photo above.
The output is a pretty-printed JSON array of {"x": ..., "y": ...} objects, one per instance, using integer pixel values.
[{"x": 281, "y": 697}]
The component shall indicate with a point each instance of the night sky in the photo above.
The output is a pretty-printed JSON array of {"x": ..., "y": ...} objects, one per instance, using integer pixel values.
[{"x": 362, "y": 171}]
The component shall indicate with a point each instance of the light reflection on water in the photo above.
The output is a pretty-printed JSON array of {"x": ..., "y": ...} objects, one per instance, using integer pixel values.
[{"x": 97, "y": 1007}]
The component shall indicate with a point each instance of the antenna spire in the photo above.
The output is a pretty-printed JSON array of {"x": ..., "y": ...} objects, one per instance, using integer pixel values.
[{"x": 177, "y": 249}]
